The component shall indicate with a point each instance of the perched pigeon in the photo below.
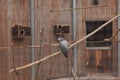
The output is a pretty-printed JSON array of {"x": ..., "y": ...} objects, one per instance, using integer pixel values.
[{"x": 63, "y": 46}]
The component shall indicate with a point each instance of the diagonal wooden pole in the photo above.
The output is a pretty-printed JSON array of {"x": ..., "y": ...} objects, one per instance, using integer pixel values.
[{"x": 56, "y": 53}]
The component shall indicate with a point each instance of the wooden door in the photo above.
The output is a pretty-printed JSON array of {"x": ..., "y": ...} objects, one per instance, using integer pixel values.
[{"x": 99, "y": 61}]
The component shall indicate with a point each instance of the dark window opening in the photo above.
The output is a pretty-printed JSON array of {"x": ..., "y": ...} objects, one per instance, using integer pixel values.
[
  {"x": 95, "y": 2},
  {"x": 97, "y": 40}
]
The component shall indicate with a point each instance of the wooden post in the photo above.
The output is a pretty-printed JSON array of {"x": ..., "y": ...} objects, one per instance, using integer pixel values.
[
  {"x": 118, "y": 39},
  {"x": 56, "y": 53}
]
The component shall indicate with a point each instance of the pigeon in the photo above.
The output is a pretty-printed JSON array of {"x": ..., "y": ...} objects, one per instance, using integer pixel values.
[{"x": 63, "y": 46}]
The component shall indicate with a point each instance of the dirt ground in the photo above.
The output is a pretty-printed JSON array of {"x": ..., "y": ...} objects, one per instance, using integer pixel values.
[{"x": 91, "y": 77}]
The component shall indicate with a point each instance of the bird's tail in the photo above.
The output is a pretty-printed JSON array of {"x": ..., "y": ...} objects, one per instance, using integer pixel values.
[{"x": 65, "y": 54}]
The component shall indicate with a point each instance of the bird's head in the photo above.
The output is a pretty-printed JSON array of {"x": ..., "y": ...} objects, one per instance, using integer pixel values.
[{"x": 60, "y": 39}]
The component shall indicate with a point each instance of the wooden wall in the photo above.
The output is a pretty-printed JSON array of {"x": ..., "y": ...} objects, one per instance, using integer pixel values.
[
  {"x": 58, "y": 66},
  {"x": 18, "y": 12},
  {"x": 13, "y": 12}
]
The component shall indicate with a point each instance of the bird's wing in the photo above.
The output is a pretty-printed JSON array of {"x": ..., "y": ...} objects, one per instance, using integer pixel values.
[
  {"x": 64, "y": 47},
  {"x": 64, "y": 51},
  {"x": 64, "y": 43}
]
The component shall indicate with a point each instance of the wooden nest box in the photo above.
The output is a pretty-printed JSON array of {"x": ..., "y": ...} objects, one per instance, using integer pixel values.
[
  {"x": 61, "y": 29},
  {"x": 20, "y": 31}
]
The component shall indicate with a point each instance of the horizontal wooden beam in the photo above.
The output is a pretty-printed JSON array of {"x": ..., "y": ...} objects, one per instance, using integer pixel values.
[
  {"x": 57, "y": 53},
  {"x": 35, "y": 46},
  {"x": 68, "y": 9}
]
